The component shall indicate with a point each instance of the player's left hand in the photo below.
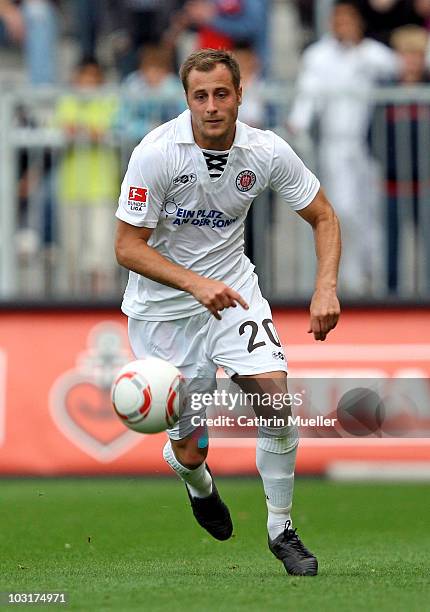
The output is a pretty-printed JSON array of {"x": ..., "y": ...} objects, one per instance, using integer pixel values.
[{"x": 325, "y": 313}]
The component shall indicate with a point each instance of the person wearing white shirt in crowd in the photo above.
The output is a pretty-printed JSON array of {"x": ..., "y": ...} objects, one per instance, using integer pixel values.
[{"x": 334, "y": 88}]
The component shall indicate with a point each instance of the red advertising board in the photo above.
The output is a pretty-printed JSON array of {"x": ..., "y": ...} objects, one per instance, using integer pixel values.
[{"x": 56, "y": 368}]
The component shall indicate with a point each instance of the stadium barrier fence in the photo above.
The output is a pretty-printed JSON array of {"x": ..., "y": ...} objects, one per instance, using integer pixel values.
[{"x": 56, "y": 214}]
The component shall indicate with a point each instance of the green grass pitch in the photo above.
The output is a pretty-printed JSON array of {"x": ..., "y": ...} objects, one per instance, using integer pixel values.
[{"x": 133, "y": 544}]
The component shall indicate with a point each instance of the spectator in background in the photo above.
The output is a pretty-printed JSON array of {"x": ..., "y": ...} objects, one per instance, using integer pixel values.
[
  {"x": 407, "y": 141},
  {"x": 41, "y": 40},
  {"x": 150, "y": 96},
  {"x": 252, "y": 109},
  {"x": 222, "y": 24},
  {"x": 33, "y": 24},
  {"x": 87, "y": 183},
  {"x": 411, "y": 43},
  {"x": 383, "y": 16},
  {"x": 306, "y": 13},
  {"x": 11, "y": 23},
  {"x": 422, "y": 8},
  {"x": 141, "y": 23},
  {"x": 88, "y": 17},
  {"x": 334, "y": 88}
]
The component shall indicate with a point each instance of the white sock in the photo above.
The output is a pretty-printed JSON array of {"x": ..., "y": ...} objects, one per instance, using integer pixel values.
[
  {"x": 198, "y": 480},
  {"x": 277, "y": 473},
  {"x": 277, "y": 520}
]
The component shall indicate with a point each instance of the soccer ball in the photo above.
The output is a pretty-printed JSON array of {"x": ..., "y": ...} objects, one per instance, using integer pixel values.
[{"x": 148, "y": 395}]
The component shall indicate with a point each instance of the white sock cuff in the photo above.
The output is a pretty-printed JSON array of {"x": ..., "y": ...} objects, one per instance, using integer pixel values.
[
  {"x": 170, "y": 458},
  {"x": 276, "y": 510},
  {"x": 280, "y": 446}
]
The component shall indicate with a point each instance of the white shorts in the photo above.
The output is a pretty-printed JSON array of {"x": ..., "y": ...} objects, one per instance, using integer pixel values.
[{"x": 243, "y": 342}]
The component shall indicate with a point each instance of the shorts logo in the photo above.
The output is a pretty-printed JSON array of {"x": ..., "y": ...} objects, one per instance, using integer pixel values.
[
  {"x": 137, "y": 199},
  {"x": 245, "y": 180},
  {"x": 278, "y": 355},
  {"x": 184, "y": 179}
]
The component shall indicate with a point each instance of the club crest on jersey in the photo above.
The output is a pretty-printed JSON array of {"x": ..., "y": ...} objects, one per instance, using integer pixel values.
[
  {"x": 137, "y": 199},
  {"x": 245, "y": 180}
]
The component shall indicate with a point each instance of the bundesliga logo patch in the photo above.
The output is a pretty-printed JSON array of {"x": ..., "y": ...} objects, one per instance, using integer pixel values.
[
  {"x": 137, "y": 199},
  {"x": 245, "y": 180}
]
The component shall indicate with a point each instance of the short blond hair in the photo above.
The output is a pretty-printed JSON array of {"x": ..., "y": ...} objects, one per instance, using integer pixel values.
[
  {"x": 205, "y": 60},
  {"x": 410, "y": 38}
]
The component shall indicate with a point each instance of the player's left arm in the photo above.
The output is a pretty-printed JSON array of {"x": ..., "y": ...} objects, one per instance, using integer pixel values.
[{"x": 324, "y": 308}]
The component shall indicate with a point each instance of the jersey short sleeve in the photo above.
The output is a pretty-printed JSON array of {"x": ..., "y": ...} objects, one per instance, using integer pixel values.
[
  {"x": 289, "y": 176},
  {"x": 142, "y": 191}
]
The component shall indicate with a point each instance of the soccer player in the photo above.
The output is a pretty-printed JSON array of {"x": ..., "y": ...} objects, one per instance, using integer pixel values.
[{"x": 181, "y": 214}]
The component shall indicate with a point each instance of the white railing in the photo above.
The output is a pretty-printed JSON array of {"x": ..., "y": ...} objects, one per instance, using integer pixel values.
[{"x": 33, "y": 150}]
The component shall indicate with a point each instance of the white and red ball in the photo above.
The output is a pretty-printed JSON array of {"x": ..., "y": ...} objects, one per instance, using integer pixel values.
[{"x": 148, "y": 395}]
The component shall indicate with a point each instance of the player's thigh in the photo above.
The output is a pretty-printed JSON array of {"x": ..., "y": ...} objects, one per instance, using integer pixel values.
[
  {"x": 179, "y": 341},
  {"x": 245, "y": 342},
  {"x": 183, "y": 343}
]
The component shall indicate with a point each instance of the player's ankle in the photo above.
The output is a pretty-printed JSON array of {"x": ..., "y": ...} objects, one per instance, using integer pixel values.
[{"x": 276, "y": 524}]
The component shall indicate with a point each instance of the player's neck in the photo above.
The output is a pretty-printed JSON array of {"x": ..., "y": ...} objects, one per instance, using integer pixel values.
[{"x": 221, "y": 143}]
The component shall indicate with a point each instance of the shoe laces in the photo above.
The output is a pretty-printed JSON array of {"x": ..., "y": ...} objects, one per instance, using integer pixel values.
[{"x": 290, "y": 536}]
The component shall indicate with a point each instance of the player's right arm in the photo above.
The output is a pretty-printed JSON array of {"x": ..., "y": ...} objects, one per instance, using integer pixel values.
[
  {"x": 301, "y": 189},
  {"x": 134, "y": 253},
  {"x": 143, "y": 193}
]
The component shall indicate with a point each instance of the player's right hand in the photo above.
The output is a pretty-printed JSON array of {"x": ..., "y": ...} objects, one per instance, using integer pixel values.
[{"x": 216, "y": 296}]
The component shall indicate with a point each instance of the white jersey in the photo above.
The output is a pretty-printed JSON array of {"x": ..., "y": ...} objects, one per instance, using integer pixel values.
[{"x": 198, "y": 222}]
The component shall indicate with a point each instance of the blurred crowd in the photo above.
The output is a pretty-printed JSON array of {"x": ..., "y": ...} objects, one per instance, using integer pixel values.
[
  {"x": 139, "y": 45},
  {"x": 334, "y": 89},
  {"x": 128, "y": 26}
]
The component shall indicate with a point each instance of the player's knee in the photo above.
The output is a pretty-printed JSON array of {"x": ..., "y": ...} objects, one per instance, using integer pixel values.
[
  {"x": 189, "y": 452},
  {"x": 278, "y": 440}
]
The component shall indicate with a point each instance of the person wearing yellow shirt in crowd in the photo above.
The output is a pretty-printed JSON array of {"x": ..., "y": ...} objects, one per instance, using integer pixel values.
[{"x": 88, "y": 181}]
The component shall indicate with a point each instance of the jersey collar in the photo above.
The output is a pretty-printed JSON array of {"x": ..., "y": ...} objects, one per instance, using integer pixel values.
[{"x": 184, "y": 132}]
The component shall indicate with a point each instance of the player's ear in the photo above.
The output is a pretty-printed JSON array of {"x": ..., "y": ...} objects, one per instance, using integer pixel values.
[{"x": 239, "y": 95}]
